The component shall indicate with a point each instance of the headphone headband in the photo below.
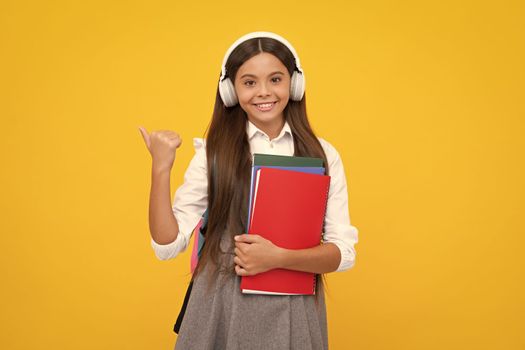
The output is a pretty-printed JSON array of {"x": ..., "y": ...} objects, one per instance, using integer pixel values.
[{"x": 259, "y": 34}]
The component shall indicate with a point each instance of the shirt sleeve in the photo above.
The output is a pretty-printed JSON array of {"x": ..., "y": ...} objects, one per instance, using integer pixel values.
[
  {"x": 189, "y": 203},
  {"x": 337, "y": 228}
]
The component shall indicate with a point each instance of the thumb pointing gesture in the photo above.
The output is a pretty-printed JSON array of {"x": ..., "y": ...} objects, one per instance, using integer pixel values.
[
  {"x": 162, "y": 145},
  {"x": 145, "y": 135}
]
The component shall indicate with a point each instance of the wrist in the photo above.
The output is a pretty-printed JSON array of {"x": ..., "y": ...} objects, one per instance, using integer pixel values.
[
  {"x": 282, "y": 258},
  {"x": 160, "y": 170}
]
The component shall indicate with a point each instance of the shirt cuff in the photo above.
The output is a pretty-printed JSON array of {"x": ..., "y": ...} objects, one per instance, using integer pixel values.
[
  {"x": 347, "y": 256},
  {"x": 170, "y": 250}
]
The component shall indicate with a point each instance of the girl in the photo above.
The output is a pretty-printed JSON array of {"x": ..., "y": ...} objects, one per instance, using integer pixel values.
[{"x": 260, "y": 107}]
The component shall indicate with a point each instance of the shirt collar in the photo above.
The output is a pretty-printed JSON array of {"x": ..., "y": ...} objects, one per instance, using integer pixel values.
[{"x": 251, "y": 130}]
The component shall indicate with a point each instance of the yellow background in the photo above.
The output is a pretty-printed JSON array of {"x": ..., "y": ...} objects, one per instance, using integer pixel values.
[{"x": 423, "y": 100}]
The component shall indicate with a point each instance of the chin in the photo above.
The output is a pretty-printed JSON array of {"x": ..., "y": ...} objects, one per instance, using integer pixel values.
[{"x": 266, "y": 119}]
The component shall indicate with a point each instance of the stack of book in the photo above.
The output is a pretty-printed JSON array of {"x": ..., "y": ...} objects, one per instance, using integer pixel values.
[{"x": 288, "y": 198}]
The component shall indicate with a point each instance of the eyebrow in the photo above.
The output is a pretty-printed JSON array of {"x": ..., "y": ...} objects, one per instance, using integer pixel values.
[{"x": 251, "y": 75}]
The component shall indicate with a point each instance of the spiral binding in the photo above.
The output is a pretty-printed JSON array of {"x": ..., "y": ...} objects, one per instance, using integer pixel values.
[{"x": 323, "y": 223}]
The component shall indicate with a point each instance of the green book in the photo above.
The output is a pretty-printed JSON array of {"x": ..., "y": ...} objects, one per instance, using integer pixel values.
[{"x": 277, "y": 160}]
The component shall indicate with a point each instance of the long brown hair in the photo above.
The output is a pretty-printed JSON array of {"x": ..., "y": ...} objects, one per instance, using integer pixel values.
[{"x": 229, "y": 158}]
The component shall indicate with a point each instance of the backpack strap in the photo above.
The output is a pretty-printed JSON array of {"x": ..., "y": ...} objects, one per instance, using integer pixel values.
[
  {"x": 198, "y": 240},
  {"x": 198, "y": 244}
]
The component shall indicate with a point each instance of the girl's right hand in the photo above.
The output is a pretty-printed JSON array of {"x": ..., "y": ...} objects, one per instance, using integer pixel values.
[{"x": 161, "y": 145}]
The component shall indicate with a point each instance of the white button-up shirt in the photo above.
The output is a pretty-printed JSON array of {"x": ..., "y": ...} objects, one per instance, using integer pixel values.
[{"x": 191, "y": 198}]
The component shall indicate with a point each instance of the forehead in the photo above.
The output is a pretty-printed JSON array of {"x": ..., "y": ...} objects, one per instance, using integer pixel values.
[{"x": 261, "y": 64}]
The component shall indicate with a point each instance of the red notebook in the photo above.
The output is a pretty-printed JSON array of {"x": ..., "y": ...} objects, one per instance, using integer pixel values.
[{"x": 288, "y": 209}]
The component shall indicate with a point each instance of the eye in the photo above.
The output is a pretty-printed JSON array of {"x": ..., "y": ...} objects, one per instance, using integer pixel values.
[
  {"x": 248, "y": 81},
  {"x": 278, "y": 79}
]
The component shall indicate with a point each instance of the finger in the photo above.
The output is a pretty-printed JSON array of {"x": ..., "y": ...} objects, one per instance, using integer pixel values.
[
  {"x": 238, "y": 261},
  {"x": 145, "y": 136},
  {"x": 247, "y": 238},
  {"x": 172, "y": 134},
  {"x": 240, "y": 271},
  {"x": 178, "y": 142},
  {"x": 243, "y": 247},
  {"x": 239, "y": 252},
  {"x": 174, "y": 137}
]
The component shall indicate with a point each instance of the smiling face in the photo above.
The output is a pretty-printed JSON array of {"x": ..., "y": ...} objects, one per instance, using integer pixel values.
[{"x": 262, "y": 84}]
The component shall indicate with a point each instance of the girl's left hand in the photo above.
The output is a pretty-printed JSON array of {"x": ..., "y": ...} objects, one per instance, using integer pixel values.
[{"x": 255, "y": 254}]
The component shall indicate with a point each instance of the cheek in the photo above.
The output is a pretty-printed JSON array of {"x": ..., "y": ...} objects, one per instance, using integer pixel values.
[
  {"x": 243, "y": 96},
  {"x": 284, "y": 91}
]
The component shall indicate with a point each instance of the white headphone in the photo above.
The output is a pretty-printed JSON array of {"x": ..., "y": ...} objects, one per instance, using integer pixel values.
[{"x": 226, "y": 88}]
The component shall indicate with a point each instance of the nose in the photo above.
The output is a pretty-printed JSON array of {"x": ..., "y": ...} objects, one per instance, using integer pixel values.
[{"x": 263, "y": 89}]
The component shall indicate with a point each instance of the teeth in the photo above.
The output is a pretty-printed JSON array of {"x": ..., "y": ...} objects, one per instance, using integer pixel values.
[{"x": 264, "y": 105}]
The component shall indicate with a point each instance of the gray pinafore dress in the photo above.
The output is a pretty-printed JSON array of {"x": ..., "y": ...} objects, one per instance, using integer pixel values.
[{"x": 226, "y": 319}]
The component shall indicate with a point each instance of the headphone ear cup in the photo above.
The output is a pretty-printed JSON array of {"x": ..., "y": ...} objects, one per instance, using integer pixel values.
[
  {"x": 227, "y": 92},
  {"x": 297, "y": 86}
]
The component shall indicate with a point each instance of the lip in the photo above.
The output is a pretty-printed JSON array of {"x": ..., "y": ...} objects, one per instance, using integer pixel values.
[
  {"x": 265, "y": 110},
  {"x": 260, "y": 103}
]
